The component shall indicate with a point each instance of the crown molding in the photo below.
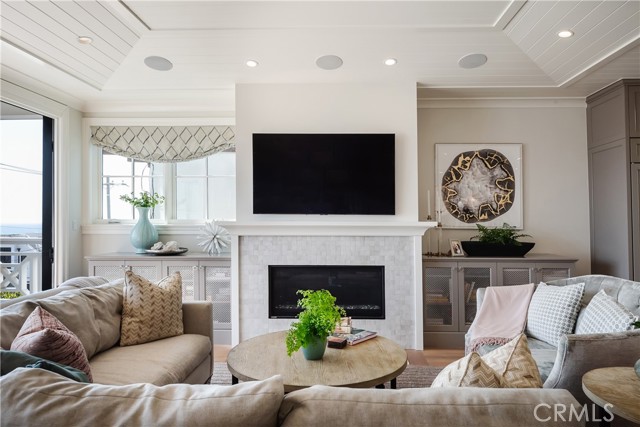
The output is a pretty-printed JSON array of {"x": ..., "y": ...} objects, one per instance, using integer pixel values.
[{"x": 578, "y": 102}]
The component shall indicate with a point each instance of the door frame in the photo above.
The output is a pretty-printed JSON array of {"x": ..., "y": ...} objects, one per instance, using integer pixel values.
[{"x": 24, "y": 98}]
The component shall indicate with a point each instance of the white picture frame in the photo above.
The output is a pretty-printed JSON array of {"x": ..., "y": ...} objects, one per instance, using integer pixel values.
[
  {"x": 444, "y": 158},
  {"x": 456, "y": 248}
]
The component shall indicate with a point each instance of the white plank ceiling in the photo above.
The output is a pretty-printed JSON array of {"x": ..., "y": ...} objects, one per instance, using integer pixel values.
[{"x": 208, "y": 42}]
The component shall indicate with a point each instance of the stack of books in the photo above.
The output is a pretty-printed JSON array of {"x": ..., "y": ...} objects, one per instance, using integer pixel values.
[{"x": 356, "y": 336}]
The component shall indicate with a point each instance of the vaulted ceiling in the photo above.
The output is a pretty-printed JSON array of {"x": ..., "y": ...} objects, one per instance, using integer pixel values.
[{"x": 209, "y": 42}]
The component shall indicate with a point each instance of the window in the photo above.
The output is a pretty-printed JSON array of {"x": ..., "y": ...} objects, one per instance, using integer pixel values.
[{"x": 194, "y": 190}]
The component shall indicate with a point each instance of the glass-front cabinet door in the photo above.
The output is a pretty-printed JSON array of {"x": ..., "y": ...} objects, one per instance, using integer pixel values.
[
  {"x": 471, "y": 277},
  {"x": 440, "y": 293},
  {"x": 511, "y": 274},
  {"x": 217, "y": 289}
]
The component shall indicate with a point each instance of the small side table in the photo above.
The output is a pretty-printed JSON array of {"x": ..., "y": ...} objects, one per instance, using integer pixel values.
[{"x": 616, "y": 387}]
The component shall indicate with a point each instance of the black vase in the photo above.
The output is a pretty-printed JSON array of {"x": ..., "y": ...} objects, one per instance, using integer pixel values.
[{"x": 483, "y": 249}]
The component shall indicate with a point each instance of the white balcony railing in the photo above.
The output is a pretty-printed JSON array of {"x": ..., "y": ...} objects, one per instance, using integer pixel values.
[{"x": 20, "y": 266}]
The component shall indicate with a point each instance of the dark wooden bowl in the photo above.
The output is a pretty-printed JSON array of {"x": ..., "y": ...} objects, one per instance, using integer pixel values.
[{"x": 482, "y": 249}]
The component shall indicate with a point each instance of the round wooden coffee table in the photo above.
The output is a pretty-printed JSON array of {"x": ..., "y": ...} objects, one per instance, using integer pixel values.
[
  {"x": 617, "y": 389},
  {"x": 367, "y": 364}
]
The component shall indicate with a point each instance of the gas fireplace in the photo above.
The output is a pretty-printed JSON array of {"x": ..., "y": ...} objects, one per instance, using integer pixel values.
[{"x": 359, "y": 289}]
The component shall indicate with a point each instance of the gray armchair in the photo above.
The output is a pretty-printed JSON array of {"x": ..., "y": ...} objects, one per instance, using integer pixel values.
[{"x": 564, "y": 366}]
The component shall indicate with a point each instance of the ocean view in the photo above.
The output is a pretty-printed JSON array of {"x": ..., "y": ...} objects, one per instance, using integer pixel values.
[{"x": 29, "y": 229}]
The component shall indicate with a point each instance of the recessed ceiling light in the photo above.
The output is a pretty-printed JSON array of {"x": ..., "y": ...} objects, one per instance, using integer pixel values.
[
  {"x": 252, "y": 63},
  {"x": 565, "y": 33},
  {"x": 390, "y": 61},
  {"x": 85, "y": 40},
  {"x": 473, "y": 60},
  {"x": 158, "y": 63},
  {"x": 329, "y": 62}
]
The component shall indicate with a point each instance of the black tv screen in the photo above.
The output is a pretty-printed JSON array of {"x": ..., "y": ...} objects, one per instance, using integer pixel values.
[{"x": 324, "y": 174}]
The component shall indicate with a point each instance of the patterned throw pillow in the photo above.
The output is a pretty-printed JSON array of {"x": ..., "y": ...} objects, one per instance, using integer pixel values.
[
  {"x": 604, "y": 314},
  {"x": 509, "y": 366},
  {"x": 513, "y": 361},
  {"x": 151, "y": 311},
  {"x": 44, "y": 336},
  {"x": 470, "y": 371},
  {"x": 553, "y": 311}
]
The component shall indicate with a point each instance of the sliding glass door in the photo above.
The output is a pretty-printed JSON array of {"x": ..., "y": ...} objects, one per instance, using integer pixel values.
[{"x": 26, "y": 200}]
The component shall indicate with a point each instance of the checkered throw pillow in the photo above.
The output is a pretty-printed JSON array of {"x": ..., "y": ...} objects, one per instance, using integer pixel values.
[
  {"x": 604, "y": 314},
  {"x": 553, "y": 311}
]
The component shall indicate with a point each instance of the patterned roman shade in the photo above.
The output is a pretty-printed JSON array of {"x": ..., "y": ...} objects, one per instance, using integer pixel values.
[{"x": 162, "y": 144}]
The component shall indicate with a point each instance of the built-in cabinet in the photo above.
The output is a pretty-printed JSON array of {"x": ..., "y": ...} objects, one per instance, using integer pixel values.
[
  {"x": 450, "y": 285},
  {"x": 613, "y": 133},
  {"x": 204, "y": 278}
]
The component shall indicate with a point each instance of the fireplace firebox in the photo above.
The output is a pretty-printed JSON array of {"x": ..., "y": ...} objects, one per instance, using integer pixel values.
[{"x": 359, "y": 289}]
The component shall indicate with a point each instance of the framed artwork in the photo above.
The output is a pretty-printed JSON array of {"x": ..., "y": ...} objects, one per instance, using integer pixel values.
[
  {"x": 479, "y": 183},
  {"x": 456, "y": 248}
]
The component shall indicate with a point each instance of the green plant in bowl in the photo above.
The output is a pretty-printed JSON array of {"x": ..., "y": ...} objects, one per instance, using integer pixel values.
[
  {"x": 316, "y": 321},
  {"x": 505, "y": 235}
]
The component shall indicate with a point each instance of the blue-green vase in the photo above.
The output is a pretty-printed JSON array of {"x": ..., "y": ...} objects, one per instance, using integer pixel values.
[
  {"x": 143, "y": 234},
  {"x": 315, "y": 349}
]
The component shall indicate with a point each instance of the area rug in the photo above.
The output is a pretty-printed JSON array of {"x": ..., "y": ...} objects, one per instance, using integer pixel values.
[{"x": 414, "y": 376}]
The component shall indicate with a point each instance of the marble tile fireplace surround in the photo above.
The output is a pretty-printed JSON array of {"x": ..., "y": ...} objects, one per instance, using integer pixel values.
[{"x": 396, "y": 246}]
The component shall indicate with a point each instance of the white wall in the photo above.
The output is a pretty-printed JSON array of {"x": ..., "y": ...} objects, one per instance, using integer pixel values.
[
  {"x": 73, "y": 165},
  {"x": 553, "y": 134},
  {"x": 327, "y": 108}
]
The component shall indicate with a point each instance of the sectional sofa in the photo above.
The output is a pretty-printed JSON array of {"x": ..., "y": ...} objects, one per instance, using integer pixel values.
[{"x": 163, "y": 383}]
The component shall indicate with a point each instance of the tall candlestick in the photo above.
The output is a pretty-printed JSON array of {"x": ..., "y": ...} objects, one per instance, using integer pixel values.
[{"x": 429, "y": 204}]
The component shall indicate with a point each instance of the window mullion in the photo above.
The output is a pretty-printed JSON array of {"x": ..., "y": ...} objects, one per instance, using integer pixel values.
[{"x": 170, "y": 185}]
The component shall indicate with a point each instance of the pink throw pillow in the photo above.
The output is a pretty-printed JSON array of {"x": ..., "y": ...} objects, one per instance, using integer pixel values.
[{"x": 44, "y": 336}]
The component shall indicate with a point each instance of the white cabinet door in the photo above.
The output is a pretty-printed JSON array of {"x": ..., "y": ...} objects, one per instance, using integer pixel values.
[
  {"x": 110, "y": 270},
  {"x": 216, "y": 277},
  {"x": 191, "y": 291},
  {"x": 150, "y": 270}
]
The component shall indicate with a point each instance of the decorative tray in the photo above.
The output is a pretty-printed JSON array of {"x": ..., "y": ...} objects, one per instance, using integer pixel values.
[{"x": 165, "y": 252}]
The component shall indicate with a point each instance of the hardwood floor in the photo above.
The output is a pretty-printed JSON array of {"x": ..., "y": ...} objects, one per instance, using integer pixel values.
[{"x": 428, "y": 357}]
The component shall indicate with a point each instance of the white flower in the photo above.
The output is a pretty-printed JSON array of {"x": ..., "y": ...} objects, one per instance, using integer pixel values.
[{"x": 215, "y": 238}]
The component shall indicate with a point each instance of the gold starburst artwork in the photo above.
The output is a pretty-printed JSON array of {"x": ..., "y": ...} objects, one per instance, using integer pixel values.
[{"x": 478, "y": 186}]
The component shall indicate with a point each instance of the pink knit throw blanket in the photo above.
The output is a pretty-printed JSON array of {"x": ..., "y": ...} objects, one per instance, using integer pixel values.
[{"x": 502, "y": 315}]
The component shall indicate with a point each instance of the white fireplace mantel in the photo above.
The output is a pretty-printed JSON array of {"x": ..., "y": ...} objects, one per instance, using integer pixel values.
[
  {"x": 396, "y": 243},
  {"x": 320, "y": 228}
]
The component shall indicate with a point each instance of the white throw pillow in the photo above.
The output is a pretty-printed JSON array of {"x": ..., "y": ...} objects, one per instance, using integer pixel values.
[
  {"x": 603, "y": 315},
  {"x": 553, "y": 311}
]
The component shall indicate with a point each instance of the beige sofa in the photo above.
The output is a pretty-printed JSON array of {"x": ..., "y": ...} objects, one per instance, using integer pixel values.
[
  {"x": 93, "y": 313},
  {"x": 38, "y": 397}
]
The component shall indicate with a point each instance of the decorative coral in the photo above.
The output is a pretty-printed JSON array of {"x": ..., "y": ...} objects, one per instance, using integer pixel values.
[{"x": 215, "y": 238}]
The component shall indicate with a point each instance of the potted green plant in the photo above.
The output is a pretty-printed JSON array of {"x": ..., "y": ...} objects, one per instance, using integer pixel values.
[
  {"x": 315, "y": 323},
  {"x": 497, "y": 242},
  {"x": 143, "y": 234},
  {"x": 146, "y": 199}
]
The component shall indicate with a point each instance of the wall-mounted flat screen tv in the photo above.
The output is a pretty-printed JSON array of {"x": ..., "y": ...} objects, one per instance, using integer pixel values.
[{"x": 324, "y": 174}]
